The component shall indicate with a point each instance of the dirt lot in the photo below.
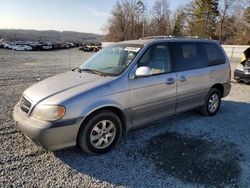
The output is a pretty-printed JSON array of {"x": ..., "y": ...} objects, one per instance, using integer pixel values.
[{"x": 186, "y": 150}]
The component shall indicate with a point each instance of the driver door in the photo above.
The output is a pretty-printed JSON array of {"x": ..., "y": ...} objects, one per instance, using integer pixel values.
[{"x": 154, "y": 96}]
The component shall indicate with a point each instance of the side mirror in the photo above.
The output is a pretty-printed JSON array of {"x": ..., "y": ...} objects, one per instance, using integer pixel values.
[{"x": 143, "y": 72}]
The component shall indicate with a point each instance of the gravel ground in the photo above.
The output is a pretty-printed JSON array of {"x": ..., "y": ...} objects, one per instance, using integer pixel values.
[{"x": 186, "y": 150}]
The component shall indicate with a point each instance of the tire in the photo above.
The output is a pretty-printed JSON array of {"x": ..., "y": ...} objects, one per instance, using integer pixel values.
[
  {"x": 238, "y": 81},
  {"x": 212, "y": 103},
  {"x": 96, "y": 138}
]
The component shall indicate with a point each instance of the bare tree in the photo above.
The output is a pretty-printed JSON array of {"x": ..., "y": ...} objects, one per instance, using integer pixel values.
[
  {"x": 224, "y": 9},
  {"x": 126, "y": 21},
  {"x": 227, "y": 21},
  {"x": 116, "y": 24},
  {"x": 161, "y": 17}
]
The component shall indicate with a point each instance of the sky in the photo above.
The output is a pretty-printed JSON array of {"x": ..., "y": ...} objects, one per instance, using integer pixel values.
[{"x": 63, "y": 15}]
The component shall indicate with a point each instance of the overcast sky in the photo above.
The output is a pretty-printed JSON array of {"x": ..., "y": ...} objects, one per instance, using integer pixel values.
[{"x": 70, "y": 15}]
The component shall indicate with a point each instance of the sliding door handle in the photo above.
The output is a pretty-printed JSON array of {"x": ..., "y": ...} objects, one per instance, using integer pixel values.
[{"x": 182, "y": 79}]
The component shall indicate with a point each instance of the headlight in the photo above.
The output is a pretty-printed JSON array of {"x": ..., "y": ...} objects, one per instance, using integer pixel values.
[
  {"x": 48, "y": 112},
  {"x": 240, "y": 67}
]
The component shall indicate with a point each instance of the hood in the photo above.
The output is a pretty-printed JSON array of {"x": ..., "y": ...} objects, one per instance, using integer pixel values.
[
  {"x": 247, "y": 53},
  {"x": 63, "y": 82}
]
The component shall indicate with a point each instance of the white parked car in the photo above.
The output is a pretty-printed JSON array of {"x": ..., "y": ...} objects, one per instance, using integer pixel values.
[
  {"x": 47, "y": 47},
  {"x": 9, "y": 45},
  {"x": 22, "y": 48}
]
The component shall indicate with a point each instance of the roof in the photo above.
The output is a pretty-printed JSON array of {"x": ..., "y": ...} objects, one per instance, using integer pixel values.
[
  {"x": 142, "y": 42},
  {"x": 166, "y": 38}
]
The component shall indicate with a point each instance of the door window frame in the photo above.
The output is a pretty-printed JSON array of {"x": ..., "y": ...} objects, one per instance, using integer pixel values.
[
  {"x": 135, "y": 67},
  {"x": 217, "y": 48}
]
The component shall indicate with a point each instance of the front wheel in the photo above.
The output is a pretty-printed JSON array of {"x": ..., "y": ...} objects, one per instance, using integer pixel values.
[
  {"x": 238, "y": 81},
  {"x": 100, "y": 133},
  {"x": 212, "y": 103}
]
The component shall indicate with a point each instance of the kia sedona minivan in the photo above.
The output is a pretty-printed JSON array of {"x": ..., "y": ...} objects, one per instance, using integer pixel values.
[{"x": 123, "y": 86}]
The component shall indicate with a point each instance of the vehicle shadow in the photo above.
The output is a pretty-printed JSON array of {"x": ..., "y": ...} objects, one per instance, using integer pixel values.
[{"x": 185, "y": 149}]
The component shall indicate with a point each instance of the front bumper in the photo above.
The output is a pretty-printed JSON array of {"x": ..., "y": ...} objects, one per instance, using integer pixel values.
[
  {"x": 50, "y": 135},
  {"x": 241, "y": 75}
]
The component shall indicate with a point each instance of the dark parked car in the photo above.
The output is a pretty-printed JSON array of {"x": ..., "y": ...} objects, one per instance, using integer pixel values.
[
  {"x": 242, "y": 73},
  {"x": 90, "y": 48}
]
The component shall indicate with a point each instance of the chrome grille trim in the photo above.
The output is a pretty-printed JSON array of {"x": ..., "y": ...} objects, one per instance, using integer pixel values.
[
  {"x": 247, "y": 70},
  {"x": 25, "y": 105}
]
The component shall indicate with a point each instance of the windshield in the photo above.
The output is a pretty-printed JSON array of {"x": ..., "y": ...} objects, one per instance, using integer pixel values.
[{"x": 112, "y": 60}]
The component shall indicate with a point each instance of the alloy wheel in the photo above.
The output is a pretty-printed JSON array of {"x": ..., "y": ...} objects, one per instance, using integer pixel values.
[
  {"x": 103, "y": 134},
  {"x": 213, "y": 103}
]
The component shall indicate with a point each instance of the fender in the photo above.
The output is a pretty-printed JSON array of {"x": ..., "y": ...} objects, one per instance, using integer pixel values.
[{"x": 98, "y": 105}]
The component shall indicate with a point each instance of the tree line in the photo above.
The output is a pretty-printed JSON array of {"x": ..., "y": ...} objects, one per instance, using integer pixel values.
[{"x": 225, "y": 20}]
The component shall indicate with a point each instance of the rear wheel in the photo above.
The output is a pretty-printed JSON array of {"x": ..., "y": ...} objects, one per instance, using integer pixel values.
[
  {"x": 100, "y": 133},
  {"x": 212, "y": 103}
]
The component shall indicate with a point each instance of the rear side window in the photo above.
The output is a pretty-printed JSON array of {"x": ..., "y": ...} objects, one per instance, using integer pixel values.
[
  {"x": 213, "y": 54},
  {"x": 187, "y": 56}
]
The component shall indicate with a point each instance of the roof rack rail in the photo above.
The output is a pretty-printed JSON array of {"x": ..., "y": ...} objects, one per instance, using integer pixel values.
[
  {"x": 158, "y": 37},
  {"x": 171, "y": 36}
]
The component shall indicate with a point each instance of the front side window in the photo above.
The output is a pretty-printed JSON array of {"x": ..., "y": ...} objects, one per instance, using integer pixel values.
[
  {"x": 157, "y": 58},
  {"x": 112, "y": 60}
]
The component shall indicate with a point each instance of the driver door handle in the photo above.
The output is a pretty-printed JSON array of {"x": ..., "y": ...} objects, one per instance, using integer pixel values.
[{"x": 170, "y": 81}]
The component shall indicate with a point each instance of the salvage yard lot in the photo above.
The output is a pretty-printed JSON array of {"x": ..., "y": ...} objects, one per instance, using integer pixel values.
[{"x": 186, "y": 150}]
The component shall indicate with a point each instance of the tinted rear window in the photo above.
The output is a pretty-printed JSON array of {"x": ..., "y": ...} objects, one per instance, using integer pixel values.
[
  {"x": 213, "y": 54},
  {"x": 187, "y": 56}
]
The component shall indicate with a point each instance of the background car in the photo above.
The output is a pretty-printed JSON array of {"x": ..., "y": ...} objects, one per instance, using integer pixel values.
[
  {"x": 242, "y": 72},
  {"x": 90, "y": 48},
  {"x": 47, "y": 47},
  {"x": 9, "y": 46},
  {"x": 22, "y": 48}
]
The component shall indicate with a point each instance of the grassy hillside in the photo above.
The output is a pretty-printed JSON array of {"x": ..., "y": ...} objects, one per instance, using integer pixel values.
[{"x": 50, "y": 35}]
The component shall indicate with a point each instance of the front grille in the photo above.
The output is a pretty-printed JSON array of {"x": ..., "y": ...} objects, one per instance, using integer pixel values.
[
  {"x": 247, "y": 70},
  {"x": 247, "y": 67},
  {"x": 247, "y": 64},
  {"x": 25, "y": 105}
]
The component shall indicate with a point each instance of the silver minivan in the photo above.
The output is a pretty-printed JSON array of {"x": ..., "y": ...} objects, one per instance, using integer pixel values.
[{"x": 125, "y": 85}]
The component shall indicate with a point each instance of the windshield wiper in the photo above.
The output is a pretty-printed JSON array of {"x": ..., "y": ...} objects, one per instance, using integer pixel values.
[
  {"x": 78, "y": 69},
  {"x": 94, "y": 71}
]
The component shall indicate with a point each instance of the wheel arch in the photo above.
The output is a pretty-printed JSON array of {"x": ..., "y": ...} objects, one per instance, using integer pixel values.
[
  {"x": 116, "y": 110},
  {"x": 219, "y": 87}
]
